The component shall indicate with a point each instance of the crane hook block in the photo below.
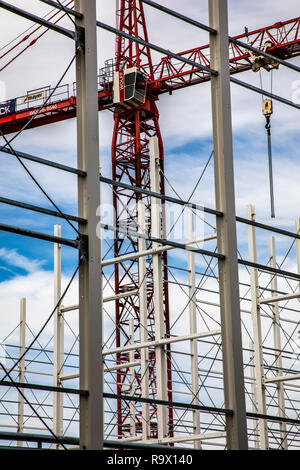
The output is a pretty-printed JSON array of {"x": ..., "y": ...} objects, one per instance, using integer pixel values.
[
  {"x": 260, "y": 61},
  {"x": 267, "y": 107}
]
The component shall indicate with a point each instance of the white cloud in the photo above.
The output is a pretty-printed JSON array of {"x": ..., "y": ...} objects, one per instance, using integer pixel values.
[{"x": 13, "y": 258}]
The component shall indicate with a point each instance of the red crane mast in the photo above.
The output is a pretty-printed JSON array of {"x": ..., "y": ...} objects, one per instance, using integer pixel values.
[{"x": 130, "y": 164}]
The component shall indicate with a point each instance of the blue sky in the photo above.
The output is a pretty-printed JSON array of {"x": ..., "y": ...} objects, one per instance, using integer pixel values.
[{"x": 185, "y": 125}]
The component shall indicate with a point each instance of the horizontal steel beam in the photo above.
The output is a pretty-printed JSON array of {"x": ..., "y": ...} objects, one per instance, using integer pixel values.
[
  {"x": 43, "y": 161},
  {"x": 46, "y": 388},
  {"x": 40, "y": 236},
  {"x": 189, "y": 438},
  {"x": 173, "y": 404},
  {"x": 30, "y": 437},
  {"x": 125, "y": 365},
  {"x": 175, "y": 14},
  {"x": 282, "y": 378},
  {"x": 118, "y": 444},
  {"x": 74, "y": 13},
  {"x": 264, "y": 93},
  {"x": 74, "y": 441},
  {"x": 162, "y": 241},
  {"x": 268, "y": 269},
  {"x": 36, "y": 19},
  {"x": 160, "y": 342},
  {"x": 69, "y": 377},
  {"x": 156, "y": 48},
  {"x": 214, "y": 304},
  {"x": 69, "y": 309},
  {"x": 270, "y": 228},
  {"x": 163, "y": 197},
  {"x": 276, "y": 419},
  {"x": 199, "y": 407},
  {"x": 141, "y": 254},
  {"x": 122, "y": 295},
  {"x": 41, "y": 210}
]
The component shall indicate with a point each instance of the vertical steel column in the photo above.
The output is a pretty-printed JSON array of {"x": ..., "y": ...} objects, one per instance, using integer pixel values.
[
  {"x": 143, "y": 322},
  {"x": 193, "y": 328},
  {"x": 297, "y": 226},
  {"x": 234, "y": 392},
  {"x": 253, "y": 393},
  {"x": 277, "y": 345},
  {"x": 21, "y": 366},
  {"x": 90, "y": 272},
  {"x": 257, "y": 336},
  {"x": 160, "y": 352},
  {"x": 58, "y": 341}
]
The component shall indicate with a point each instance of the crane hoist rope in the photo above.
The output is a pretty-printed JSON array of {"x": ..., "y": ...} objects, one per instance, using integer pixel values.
[{"x": 267, "y": 109}]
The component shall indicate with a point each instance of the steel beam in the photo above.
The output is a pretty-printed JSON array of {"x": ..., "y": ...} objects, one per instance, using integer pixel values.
[
  {"x": 190, "y": 438},
  {"x": 41, "y": 210},
  {"x": 160, "y": 352},
  {"x": 42, "y": 161},
  {"x": 21, "y": 376},
  {"x": 132, "y": 380},
  {"x": 153, "y": 251},
  {"x": 90, "y": 277},
  {"x": 264, "y": 93},
  {"x": 111, "y": 298},
  {"x": 161, "y": 342},
  {"x": 39, "y": 236},
  {"x": 193, "y": 329},
  {"x": 162, "y": 241},
  {"x": 282, "y": 378},
  {"x": 58, "y": 356},
  {"x": 142, "y": 268},
  {"x": 255, "y": 431},
  {"x": 163, "y": 197},
  {"x": 279, "y": 298},
  {"x": 297, "y": 227},
  {"x": 176, "y": 404},
  {"x": 234, "y": 393},
  {"x": 124, "y": 365},
  {"x": 270, "y": 228},
  {"x": 45, "y": 388},
  {"x": 51, "y": 3},
  {"x": 277, "y": 347}
]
